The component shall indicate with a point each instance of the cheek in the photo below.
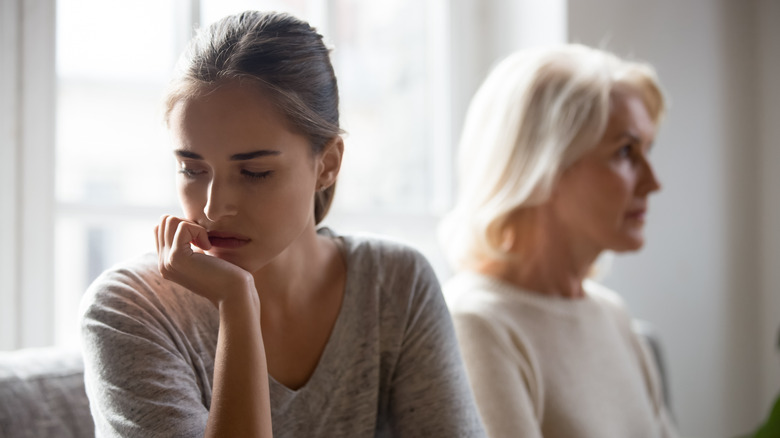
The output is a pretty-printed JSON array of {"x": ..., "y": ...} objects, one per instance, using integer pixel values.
[
  {"x": 621, "y": 182},
  {"x": 612, "y": 197},
  {"x": 298, "y": 200},
  {"x": 595, "y": 195},
  {"x": 191, "y": 197},
  {"x": 286, "y": 202}
]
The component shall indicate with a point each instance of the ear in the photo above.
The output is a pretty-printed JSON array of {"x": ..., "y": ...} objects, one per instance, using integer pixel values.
[{"x": 329, "y": 162}]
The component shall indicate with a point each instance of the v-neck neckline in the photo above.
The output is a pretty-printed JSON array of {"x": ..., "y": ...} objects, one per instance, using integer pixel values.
[{"x": 338, "y": 327}]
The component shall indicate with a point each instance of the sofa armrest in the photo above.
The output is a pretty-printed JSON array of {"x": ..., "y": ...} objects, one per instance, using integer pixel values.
[{"x": 42, "y": 394}]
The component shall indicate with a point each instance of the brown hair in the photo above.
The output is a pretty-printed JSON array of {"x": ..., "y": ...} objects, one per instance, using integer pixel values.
[{"x": 285, "y": 56}]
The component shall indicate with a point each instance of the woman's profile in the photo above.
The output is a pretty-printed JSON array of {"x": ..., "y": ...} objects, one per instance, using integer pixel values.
[
  {"x": 554, "y": 169},
  {"x": 250, "y": 320}
]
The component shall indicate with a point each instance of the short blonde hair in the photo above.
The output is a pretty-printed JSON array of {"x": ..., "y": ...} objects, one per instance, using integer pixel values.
[{"x": 536, "y": 113}]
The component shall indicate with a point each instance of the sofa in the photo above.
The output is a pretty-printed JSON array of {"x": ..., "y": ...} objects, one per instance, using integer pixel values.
[{"x": 42, "y": 394}]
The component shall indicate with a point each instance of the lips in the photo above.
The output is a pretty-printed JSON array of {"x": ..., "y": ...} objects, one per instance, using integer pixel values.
[
  {"x": 636, "y": 214},
  {"x": 221, "y": 239}
]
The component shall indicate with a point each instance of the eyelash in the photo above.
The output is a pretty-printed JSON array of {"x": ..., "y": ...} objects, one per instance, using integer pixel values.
[
  {"x": 191, "y": 174},
  {"x": 188, "y": 173},
  {"x": 256, "y": 175}
]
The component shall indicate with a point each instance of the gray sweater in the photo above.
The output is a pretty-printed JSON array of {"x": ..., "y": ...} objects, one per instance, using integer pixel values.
[{"x": 390, "y": 368}]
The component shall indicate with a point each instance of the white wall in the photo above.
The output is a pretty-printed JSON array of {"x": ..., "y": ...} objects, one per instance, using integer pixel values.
[
  {"x": 485, "y": 31},
  {"x": 768, "y": 116},
  {"x": 712, "y": 230}
]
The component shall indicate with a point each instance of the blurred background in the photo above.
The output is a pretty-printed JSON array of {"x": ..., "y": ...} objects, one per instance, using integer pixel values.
[{"x": 85, "y": 168}]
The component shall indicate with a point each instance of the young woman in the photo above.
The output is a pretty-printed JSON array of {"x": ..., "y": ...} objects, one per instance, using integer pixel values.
[
  {"x": 554, "y": 169},
  {"x": 250, "y": 320}
]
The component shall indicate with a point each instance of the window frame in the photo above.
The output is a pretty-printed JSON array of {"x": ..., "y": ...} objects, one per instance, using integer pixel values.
[{"x": 27, "y": 166}]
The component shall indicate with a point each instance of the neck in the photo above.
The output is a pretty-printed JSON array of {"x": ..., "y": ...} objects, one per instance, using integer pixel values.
[
  {"x": 552, "y": 263},
  {"x": 298, "y": 271}
]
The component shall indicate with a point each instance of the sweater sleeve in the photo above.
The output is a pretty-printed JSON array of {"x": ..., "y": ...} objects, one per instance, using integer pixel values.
[
  {"x": 138, "y": 381},
  {"x": 430, "y": 395},
  {"x": 504, "y": 385}
]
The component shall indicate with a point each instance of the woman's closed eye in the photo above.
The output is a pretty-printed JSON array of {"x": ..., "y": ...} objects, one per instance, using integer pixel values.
[
  {"x": 190, "y": 172},
  {"x": 256, "y": 175}
]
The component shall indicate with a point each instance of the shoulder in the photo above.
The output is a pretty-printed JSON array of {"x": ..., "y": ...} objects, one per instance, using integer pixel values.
[
  {"x": 386, "y": 262},
  {"x": 467, "y": 291},
  {"x": 612, "y": 305},
  {"x": 373, "y": 249},
  {"x": 483, "y": 309},
  {"x": 604, "y": 296},
  {"x": 133, "y": 293},
  {"x": 472, "y": 297},
  {"x": 396, "y": 280},
  {"x": 123, "y": 282}
]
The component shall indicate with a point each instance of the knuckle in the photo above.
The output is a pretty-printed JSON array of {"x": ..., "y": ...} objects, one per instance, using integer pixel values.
[
  {"x": 161, "y": 266},
  {"x": 175, "y": 258},
  {"x": 167, "y": 268}
]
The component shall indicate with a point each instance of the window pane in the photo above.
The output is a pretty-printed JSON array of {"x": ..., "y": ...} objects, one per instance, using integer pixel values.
[
  {"x": 213, "y": 10},
  {"x": 112, "y": 69},
  {"x": 85, "y": 248},
  {"x": 380, "y": 49},
  {"x": 114, "y": 169}
]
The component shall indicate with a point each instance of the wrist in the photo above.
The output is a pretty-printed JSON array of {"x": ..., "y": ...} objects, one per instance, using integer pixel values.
[{"x": 242, "y": 296}]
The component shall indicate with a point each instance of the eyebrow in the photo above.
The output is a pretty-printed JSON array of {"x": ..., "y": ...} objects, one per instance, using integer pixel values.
[
  {"x": 629, "y": 135},
  {"x": 181, "y": 153}
]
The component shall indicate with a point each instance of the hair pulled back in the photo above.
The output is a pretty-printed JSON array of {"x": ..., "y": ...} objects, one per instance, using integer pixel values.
[{"x": 285, "y": 57}]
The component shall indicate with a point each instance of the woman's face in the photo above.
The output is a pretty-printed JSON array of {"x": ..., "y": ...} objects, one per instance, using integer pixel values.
[
  {"x": 243, "y": 175},
  {"x": 601, "y": 199}
]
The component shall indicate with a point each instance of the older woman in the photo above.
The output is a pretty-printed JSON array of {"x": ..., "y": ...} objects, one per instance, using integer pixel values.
[{"x": 554, "y": 169}]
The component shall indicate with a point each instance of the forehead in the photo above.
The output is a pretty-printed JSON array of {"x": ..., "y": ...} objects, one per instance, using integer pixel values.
[
  {"x": 628, "y": 114},
  {"x": 233, "y": 116}
]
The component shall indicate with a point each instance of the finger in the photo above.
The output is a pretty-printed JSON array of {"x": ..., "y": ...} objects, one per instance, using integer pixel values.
[
  {"x": 183, "y": 257},
  {"x": 161, "y": 232},
  {"x": 157, "y": 239},
  {"x": 200, "y": 238},
  {"x": 188, "y": 233},
  {"x": 161, "y": 248},
  {"x": 171, "y": 223}
]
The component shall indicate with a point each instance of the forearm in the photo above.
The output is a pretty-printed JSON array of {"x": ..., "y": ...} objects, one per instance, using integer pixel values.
[{"x": 240, "y": 403}]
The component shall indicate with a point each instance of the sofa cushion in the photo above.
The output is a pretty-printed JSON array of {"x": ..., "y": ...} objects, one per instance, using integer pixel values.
[{"x": 42, "y": 394}]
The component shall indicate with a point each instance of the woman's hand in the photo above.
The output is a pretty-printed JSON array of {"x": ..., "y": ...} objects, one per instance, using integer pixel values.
[
  {"x": 240, "y": 404},
  {"x": 205, "y": 275}
]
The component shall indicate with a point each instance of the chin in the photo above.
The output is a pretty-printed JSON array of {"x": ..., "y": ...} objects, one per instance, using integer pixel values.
[{"x": 629, "y": 244}]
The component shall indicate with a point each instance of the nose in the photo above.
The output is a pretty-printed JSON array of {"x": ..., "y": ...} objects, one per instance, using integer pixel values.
[
  {"x": 221, "y": 201},
  {"x": 648, "y": 180}
]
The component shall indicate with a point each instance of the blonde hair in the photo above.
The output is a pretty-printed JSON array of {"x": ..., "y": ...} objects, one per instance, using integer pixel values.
[{"x": 536, "y": 113}]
